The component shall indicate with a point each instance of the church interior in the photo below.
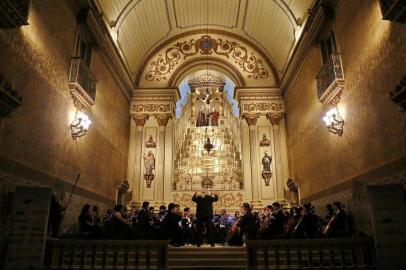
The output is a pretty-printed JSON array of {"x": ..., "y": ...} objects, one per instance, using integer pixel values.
[{"x": 261, "y": 104}]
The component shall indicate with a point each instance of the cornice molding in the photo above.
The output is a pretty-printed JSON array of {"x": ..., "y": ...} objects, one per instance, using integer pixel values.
[
  {"x": 312, "y": 28},
  {"x": 105, "y": 44}
]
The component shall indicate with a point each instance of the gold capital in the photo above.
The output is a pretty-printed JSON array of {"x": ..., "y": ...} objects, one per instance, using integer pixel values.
[{"x": 250, "y": 118}]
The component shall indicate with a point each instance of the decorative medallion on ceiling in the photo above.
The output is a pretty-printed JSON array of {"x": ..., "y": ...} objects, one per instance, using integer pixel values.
[{"x": 164, "y": 64}]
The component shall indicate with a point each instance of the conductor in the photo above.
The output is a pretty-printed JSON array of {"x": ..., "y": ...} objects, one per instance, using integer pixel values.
[{"x": 204, "y": 215}]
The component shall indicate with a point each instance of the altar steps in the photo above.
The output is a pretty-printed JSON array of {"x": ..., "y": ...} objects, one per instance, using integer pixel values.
[{"x": 219, "y": 257}]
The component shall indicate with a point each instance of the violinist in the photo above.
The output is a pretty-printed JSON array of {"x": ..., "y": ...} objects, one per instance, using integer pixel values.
[{"x": 263, "y": 232}]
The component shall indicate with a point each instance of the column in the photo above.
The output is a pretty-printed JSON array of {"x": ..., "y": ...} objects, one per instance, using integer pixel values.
[
  {"x": 131, "y": 153},
  {"x": 275, "y": 118},
  {"x": 162, "y": 120},
  {"x": 252, "y": 121},
  {"x": 140, "y": 121}
]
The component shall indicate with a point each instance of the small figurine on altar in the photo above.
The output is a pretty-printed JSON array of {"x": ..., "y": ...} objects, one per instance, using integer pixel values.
[
  {"x": 215, "y": 118},
  {"x": 208, "y": 145},
  {"x": 150, "y": 142},
  {"x": 264, "y": 141},
  {"x": 266, "y": 162}
]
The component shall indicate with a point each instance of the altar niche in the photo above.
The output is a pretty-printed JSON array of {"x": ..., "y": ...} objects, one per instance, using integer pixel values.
[{"x": 208, "y": 149}]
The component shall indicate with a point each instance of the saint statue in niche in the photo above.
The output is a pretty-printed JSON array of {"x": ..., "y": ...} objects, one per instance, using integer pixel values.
[
  {"x": 208, "y": 145},
  {"x": 149, "y": 163},
  {"x": 201, "y": 118},
  {"x": 215, "y": 118},
  {"x": 264, "y": 141},
  {"x": 266, "y": 162},
  {"x": 150, "y": 142}
]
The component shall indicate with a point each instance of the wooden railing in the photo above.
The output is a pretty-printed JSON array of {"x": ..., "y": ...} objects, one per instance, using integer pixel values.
[
  {"x": 311, "y": 254},
  {"x": 106, "y": 254}
]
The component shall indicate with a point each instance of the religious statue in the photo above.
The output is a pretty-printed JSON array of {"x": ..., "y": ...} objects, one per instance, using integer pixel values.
[
  {"x": 149, "y": 163},
  {"x": 201, "y": 118},
  {"x": 208, "y": 145},
  {"x": 266, "y": 162},
  {"x": 264, "y": 141},
  {"x": 266, "y": 168},
  {"x": 150, "y": 142},
  {"x": 215, "y": 118}
]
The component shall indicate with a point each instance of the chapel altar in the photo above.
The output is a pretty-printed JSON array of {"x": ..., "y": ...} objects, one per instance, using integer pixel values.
[{"x": 195, "y": 140}]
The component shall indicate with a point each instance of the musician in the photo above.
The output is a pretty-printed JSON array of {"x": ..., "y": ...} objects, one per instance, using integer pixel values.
[
  {"x": 224, "y": 225},
  {"x": 173, "y": 225},
  {"x": 145, "y": 222},
  {"x": 277, "y": 221},
  {"x": 309, "y": 222},
  {"x": 187, "y": 226},
  {"x": 246, "y": 223},
  {"x": 337, "y": 225},
  {"x": 56, "y": 213},
  {"x": 204, "y": 215},
  {"x": 293, "y": 226}
]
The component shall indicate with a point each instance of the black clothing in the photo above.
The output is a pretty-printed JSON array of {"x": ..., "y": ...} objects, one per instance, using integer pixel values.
[
  {"x": 277, "y": 224},
  {"x": 248, "y": 226},
  {"x": 144, "y": 225},
  {"x": 204, "y": 205},
  {"x": 171, "y": 224},
  {"x": 201, "y": 223},
  {"x": 55, "y": 216},
  {"x": 204, "y": 215}
]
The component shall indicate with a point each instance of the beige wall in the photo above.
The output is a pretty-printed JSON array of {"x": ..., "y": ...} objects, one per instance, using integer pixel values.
[
  {"x": 36, "y": 60},
  {"x": 373, "y": 56}
]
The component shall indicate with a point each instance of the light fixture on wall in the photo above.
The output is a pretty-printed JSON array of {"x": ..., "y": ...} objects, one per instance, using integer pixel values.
[
  {"x": 80, "y": 125},
  {"x": 334, "y": 122}
]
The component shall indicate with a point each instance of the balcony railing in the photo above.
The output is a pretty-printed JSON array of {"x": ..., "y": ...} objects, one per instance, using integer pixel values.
[
  {"x": 345, "y": 253},
  {"x": 82, "y": 83},
  {"x": 330, "y": 80},
  {"x": 106, "y": 254}
]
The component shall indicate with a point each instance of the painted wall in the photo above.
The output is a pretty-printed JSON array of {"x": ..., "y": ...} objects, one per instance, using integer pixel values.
[
  {"x": 373, "y": 56},
  {"x": 35, "y": 140}
]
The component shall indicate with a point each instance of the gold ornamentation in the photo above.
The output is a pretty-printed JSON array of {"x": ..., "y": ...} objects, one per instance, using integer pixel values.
[
  {"x": 162, "y": 119},
  {"x": 152, "y": 107},
  {"x": 252, "y": 107},
  {"x": 228, "y": 200},
  {"x": 183, "y": 199},
  {"x": 274, "y": 118},
  {"x": 251, "y": 119},
  {"x": 140, "y": 119},
  {"x": 206, "y": 45}
]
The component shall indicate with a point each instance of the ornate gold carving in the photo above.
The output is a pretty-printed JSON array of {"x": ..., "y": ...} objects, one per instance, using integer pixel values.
[
  {"x": 274, "y": 118},
  {"x": 151, "y": 108},
  {"x": 184, "y": 199},
  {"x": 206, "y": 45},
  {"x": 162, "y": 119},
  {"x": 140, "y": 119},
  {"x": 228, "y": 200},
  {"x": 265, "y": 106},
  {"x": 251, "y": 119}
]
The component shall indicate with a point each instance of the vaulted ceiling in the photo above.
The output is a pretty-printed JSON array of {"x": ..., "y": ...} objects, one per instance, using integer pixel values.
[{"x": 139, "y": 27}]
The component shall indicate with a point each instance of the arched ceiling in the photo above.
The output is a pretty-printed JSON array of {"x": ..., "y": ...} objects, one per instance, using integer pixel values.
[{"x": 140, "y": 27}]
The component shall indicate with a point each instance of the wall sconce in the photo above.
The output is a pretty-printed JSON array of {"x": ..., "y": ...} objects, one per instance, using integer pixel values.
[
  {"x": 334, "y": 122},
  {"x": 80, "y": 125}
]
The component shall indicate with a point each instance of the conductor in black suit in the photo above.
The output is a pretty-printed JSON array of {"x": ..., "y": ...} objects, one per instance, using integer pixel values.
[{"x": 204, "y": 215}]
